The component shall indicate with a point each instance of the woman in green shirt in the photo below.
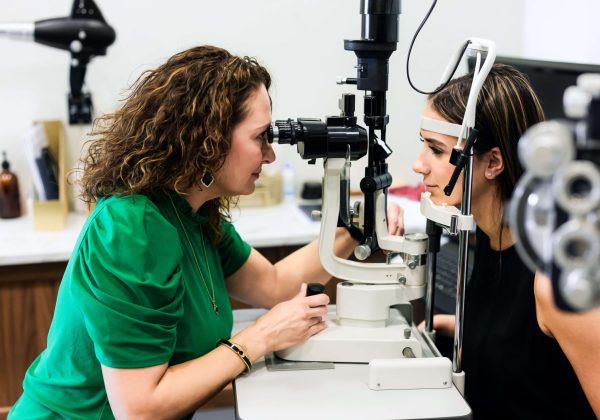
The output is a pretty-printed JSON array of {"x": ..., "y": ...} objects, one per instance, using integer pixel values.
[{"x": 145, "y": 296}]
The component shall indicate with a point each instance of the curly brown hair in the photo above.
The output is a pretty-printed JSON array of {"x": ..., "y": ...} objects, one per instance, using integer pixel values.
[{"x": 175, "y": 124}]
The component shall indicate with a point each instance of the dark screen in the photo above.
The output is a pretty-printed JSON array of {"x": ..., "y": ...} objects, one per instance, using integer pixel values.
[{"x": 548, "y": 78}]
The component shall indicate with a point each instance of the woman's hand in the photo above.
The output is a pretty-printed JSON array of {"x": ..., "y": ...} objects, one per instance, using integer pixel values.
[
  {"x": 286, "y": 324},
  {"x": 395, "y": 218},
  {"x": 442, "y": 324},
  {"x": 171, "y": 391}
]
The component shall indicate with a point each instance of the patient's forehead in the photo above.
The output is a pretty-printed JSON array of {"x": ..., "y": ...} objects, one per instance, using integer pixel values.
[{"x": 430, "y": 112}]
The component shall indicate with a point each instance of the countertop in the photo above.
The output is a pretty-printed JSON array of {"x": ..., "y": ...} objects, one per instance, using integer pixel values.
[{"x": 281, "y": 225}]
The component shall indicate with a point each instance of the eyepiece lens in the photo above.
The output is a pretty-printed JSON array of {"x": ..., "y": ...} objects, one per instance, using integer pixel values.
[{"x": 580, "y": 187}]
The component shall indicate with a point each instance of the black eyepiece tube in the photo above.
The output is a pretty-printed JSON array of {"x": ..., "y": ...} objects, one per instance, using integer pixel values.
[
  {"x": 460, "y": 162},
  {"x": 321, "y": 139},
  {"x": 284, "y": 132},
  {"x": 379, "y": 39},
  {"x": 380, "y": 20}
]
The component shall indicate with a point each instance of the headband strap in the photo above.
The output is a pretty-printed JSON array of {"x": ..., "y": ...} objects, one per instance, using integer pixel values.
[{"x": 441, "y": 127}]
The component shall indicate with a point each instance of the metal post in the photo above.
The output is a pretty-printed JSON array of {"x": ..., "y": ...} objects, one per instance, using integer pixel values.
[
  {"x": 429, "y": 303},
  {"x": 434, "y": 232},
  {"x": 463, "y": 261}
]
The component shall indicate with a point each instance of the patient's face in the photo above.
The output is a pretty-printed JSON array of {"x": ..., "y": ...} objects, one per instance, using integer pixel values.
[{"x": 433, "y": 162}]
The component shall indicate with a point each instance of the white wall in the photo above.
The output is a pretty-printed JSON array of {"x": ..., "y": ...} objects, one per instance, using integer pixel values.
[
  {"x": 558, "y": 30},
  {"x": 301, "y": 42}
]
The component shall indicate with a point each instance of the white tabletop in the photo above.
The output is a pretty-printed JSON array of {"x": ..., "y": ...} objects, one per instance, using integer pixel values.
[
  {"x": 20, "y": 244},
  {"x": 339, "y": 393},
  {"x": 280, "y": 225}
]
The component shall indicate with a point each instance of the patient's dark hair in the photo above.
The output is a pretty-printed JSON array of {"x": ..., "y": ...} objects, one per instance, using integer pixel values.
[{"x": 507, "y": 106}]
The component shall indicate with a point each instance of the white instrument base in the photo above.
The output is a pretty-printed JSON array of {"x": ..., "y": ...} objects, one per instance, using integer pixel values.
[
  {"x": 422, "y": 373},
  {"x": 355, "y": 344},
  {"x": 339, "y": 393}
]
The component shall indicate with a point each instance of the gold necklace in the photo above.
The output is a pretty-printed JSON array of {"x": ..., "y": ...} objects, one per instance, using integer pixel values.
[{"x": 211, "y": 291}]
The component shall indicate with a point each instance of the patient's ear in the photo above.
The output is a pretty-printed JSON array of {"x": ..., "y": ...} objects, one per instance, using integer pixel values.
[{"x": 494, "y": 163}]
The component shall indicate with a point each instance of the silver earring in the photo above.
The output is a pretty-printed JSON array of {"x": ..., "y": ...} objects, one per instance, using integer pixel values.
[{"x": 207, "y": 179}]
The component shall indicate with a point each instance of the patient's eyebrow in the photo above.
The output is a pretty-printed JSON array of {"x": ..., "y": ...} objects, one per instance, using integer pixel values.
[{"x": 435, "y": 142}]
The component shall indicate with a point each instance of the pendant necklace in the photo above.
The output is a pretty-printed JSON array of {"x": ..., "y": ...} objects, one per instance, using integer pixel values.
[{"x": 211, "y": 290}]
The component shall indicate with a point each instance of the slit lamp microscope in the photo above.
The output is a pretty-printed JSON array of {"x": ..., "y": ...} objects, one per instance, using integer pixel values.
[{"x": 372, "y": 322}]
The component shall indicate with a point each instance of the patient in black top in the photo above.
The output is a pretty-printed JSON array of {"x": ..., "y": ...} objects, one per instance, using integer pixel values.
[{"x": 513, "y": 369}]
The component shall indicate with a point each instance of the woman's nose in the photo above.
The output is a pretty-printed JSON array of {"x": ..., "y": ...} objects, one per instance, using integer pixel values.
[
  {"x": 419, "y": 165},
  {"x": 268, "y": 153}
]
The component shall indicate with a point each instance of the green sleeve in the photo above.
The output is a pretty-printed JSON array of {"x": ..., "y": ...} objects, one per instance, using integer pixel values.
[
  {"x": 129, "y": 288},
  {"x": 233, "y": 250}
]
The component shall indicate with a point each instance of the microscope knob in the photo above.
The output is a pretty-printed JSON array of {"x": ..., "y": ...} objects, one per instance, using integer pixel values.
[
  {"x": 75, "y": 46},
  {"x": 545, "y": 147},
  {"x": 576, "y": 101},
  {"x": 579, "y": 288},
  {"x": 314, "y": 289},
  {"x": 362, "y": 252},
  {"x": 590, "y": 82}
]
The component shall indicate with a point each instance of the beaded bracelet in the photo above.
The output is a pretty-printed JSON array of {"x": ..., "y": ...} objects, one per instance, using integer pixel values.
[{"x": 237, "y": 349}]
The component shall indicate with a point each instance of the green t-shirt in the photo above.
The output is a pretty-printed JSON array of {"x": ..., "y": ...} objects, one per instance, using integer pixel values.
[{"x": 131, "y": 297}]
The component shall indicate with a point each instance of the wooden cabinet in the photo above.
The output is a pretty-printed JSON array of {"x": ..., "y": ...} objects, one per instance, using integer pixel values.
[{"x": 27, "y": 299}]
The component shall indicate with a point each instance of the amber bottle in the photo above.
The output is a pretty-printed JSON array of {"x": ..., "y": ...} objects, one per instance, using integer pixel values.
[{"x": 10, "y": 205}]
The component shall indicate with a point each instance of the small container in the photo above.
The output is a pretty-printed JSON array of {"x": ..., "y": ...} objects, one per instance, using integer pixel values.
[
  {"x": 10, "y": 204},
  {"x": 288, "y": 182},
  {"x": 287, "y": 174}
]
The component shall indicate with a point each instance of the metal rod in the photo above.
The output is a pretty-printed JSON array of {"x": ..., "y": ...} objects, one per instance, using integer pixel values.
[
  {"x": 463, "y": 260},
  {"x": 23, "y": 31},
  {"x": 434, "y": 232},
  {"x": 429, "y": 296},
  {"x": 408, "y": 353},
  {"x": 431, "y": 345}
]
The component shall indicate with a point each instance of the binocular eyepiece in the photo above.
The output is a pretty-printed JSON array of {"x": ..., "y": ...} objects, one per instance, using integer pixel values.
[
  {"x": 336, "y": 137},
  {"x": 286, "y": 132}
]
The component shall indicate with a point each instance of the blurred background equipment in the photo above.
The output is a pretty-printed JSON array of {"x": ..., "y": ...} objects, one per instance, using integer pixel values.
[
  {"x": 548, "y": 78},
  {"x": 85, "y": 34},
  {"x": 268, "y": 191},
  {"x": 554, "y": 210}
]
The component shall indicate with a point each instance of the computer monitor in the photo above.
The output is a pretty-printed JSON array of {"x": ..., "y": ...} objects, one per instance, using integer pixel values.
[{"x": 548, "y": 78}]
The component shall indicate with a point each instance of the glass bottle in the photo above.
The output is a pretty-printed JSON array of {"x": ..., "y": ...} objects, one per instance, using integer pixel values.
[{"x": 10, "y": 204}]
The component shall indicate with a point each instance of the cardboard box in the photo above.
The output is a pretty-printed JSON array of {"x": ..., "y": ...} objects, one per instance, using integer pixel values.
[{"x": 268, "y": 192}]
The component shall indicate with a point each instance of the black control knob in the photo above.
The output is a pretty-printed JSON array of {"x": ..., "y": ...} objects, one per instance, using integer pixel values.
[
  {"x": 347, "y": 105},
  {"x": 314, "y": 289}
]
